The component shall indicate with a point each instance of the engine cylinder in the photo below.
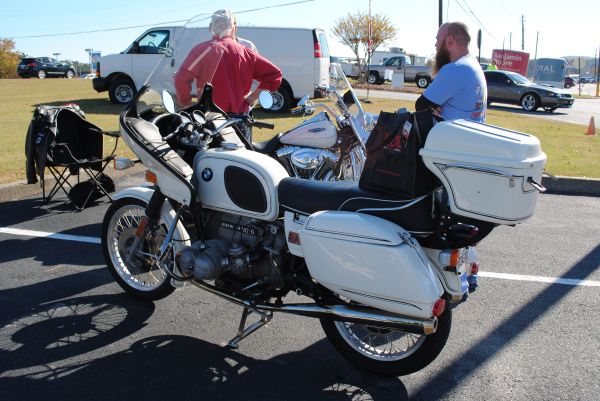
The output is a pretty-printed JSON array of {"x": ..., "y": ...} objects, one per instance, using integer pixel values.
[{"x": 203, "y": 260}]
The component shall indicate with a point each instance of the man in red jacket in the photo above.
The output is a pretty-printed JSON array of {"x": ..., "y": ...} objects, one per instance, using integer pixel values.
[{"x": 235, "y": 67}]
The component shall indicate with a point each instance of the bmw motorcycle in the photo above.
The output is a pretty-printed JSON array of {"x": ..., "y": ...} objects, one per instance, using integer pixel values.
[{"x": 379, "y": 271}]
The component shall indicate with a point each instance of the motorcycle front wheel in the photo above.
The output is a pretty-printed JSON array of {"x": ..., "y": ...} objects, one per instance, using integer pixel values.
[
  {"x": 386, "y": 351},
  {"x": 139, "y": 275}
]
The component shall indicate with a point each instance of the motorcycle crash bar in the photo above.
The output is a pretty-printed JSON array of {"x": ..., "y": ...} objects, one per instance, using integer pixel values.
[{"x": 347, "y": 313}]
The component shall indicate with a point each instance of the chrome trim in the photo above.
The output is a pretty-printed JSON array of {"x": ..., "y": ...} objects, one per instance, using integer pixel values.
[{"x": 348, "y": 313}]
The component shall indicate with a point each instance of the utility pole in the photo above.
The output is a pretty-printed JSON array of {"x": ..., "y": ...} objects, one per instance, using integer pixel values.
[
  {"x": 537, "y": 37},
  {"x": 510, "y": 41},
  {"x": 522, "y": 32},
  {"x": 441, "y": 4},
  {"x": 598, "y": 74}
]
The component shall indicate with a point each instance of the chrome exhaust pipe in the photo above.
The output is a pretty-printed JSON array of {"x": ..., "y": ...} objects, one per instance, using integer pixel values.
[
  {"x": 348, "y": 313},
  {"x": 358, "y": 314}
]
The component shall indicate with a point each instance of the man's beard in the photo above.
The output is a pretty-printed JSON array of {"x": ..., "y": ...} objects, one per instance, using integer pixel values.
[{"x": 442, "y": 57}]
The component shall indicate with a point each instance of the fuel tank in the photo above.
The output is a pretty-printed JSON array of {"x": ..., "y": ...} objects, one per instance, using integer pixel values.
[
  {"x": 316, "y": 132},
  {"x": 238, "y": 181}
]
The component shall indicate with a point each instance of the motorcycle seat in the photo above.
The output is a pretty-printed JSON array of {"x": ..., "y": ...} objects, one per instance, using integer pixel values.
[
  {"x": 267, "y": 147},
  {"x": 309, "y": 196}
]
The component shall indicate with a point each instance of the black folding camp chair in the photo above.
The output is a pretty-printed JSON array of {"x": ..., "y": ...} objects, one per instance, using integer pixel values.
[{"x": 65, "y": 143}]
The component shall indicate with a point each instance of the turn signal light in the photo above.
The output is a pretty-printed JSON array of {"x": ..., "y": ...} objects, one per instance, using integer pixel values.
[
  {"x": 438, "y": 307},
  {"x": 474, "y": 268},
  {"x": 151, "y": 177},
  {"x": 449, "y": 257}
]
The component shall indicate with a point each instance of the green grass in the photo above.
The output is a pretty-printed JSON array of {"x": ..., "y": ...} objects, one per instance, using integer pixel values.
[{"x": 570, "y": 152}]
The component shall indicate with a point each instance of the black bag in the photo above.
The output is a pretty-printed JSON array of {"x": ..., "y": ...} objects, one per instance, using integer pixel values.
[{"x": 393, "y": 163}]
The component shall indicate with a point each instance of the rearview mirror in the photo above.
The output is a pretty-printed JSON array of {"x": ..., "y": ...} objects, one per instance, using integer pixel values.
[
  {"x": 168, "y": 102},
  {"x": 265, "y": 99},
  {"x": 303, "y": 101}
]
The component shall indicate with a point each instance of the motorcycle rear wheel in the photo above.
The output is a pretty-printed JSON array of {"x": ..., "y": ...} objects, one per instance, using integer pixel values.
[
  {"x": 384, "y": 351},
  {"x": 141, "y": 277}
]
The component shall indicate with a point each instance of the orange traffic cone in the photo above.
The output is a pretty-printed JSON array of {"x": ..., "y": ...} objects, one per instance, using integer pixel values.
[{"x": 591, "y": 127}]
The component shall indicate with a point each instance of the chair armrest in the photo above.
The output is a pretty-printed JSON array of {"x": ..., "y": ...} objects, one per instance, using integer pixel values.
[{"x": 116, "y": 134}]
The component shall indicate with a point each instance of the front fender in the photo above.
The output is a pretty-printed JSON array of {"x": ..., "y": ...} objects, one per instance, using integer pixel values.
[{"x": 144, "y": 193}]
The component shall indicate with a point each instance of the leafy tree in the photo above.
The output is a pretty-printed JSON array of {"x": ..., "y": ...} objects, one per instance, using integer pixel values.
[
  {"x": 9, "y": 59},
  {"x": 363, "y": 33}
]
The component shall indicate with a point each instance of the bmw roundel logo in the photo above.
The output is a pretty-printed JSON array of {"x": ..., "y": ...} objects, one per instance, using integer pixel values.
[{"x": 207, "y": 174}]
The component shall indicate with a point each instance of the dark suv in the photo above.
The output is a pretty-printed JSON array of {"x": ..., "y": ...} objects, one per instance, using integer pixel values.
[{"x": 44, "y": 67}]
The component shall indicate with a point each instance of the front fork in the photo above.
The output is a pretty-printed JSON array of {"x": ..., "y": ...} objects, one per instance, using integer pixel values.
[{"x": 149, "y": 224}]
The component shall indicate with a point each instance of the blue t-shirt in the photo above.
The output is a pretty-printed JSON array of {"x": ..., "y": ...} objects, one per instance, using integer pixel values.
[{"x": 460, "y": 89}]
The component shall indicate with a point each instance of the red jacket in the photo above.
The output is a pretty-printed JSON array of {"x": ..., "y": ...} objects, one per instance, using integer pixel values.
[{"x": 236, "y": 68}]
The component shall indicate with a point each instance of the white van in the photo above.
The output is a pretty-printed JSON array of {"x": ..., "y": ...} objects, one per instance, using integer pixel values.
[{"x": 301, "y": 53}]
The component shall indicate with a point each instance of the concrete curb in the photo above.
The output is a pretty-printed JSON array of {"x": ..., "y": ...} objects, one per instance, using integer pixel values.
[
  {"x": 560, "y": 185},
  {"x": 572, "y": 185}
]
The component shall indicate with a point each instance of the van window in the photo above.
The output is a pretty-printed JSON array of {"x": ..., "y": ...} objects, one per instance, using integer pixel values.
[
  {"x": 324, "y": 45},
  {"x": 154, "y": 42}
]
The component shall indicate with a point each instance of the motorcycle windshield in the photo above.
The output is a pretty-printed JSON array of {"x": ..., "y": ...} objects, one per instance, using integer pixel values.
[
  {"x": 189, "y": 63},
  {"x": 340, "y": 84}
]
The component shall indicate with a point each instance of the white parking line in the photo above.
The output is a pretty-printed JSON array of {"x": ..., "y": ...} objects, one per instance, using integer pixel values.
[
  {"x": 540, "y": 279},
  {"x": 43, "y": 234},
  {"x": 504, "y": 276}
]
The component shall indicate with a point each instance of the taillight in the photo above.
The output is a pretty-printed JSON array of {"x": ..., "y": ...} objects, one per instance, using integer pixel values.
[
  {"x": 98, "y": 69},
  {"x": 438, "y": 307},
  {"x": 318, "y": 50},
  {"x": 31, "y": 65},
  {"x": 474, "y": 268}
]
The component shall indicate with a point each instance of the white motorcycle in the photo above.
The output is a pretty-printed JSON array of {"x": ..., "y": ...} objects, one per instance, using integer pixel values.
[
  {"x": 330, "y": 145},
  {"x": 234, "y": 223}
]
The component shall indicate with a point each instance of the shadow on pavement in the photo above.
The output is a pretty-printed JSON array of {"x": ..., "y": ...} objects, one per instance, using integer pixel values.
[
  {"x": 441, "y": 385},
  {"x": 181, "y": 367}
]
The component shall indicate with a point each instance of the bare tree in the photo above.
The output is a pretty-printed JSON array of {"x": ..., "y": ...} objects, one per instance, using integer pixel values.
[{"x": 363, "y": 34}]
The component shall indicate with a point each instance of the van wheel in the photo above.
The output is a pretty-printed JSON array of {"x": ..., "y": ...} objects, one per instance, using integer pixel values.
[
  {"x": 282, "y": 100},
  {"x": 423, "y": 82},
  {"x": 121, "y": 91}
]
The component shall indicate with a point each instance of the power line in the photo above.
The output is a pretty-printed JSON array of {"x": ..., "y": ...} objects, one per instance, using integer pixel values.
[
  {"x": 474, "y": 18},
  {"x": 155, "y": 24}
]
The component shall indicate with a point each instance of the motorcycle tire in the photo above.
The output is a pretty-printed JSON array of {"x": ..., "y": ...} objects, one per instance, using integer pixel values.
[
  {"x": 139, "y": 277},
  {"x": 348, "y": 339}
]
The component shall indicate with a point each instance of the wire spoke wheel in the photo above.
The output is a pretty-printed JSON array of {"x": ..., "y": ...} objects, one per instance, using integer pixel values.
[
  {"x": 380, "y": 343},
  {"x": 136, "y": 270},
  {"x": 387, "y": 351}
]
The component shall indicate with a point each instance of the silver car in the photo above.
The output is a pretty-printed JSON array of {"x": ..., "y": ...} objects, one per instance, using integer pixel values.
[{"x": 513, "y": 88}]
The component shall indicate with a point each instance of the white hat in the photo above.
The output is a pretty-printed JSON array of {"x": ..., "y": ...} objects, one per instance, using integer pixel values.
[{"x": 222, "y": 24}]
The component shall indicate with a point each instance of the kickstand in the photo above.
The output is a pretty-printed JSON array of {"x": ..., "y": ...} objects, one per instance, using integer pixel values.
[{"x": 243, "y": 331}]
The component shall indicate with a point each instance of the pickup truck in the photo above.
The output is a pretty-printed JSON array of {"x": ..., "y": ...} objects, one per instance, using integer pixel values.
[{"x": 419, "y": 74}]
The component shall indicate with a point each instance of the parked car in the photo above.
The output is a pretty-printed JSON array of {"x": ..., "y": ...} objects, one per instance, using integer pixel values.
[
  {"x": 569, "y": 82},
  {"x": 513, "y": 88},
  {"x": 88, "y": 76},
  {"x": 44, "y": 67}
]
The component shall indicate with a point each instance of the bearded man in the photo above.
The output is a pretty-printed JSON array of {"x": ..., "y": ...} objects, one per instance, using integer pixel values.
[{"x": 459, "y": 89}]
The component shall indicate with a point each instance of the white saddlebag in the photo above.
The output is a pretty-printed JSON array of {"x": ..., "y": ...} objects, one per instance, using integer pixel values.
[
  {"x": 490, "y": 173},
  {"x": 371, "y": 261}
]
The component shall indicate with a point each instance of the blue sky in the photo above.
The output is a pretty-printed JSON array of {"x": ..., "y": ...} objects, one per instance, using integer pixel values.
[{"x": 565, "y": 28}]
